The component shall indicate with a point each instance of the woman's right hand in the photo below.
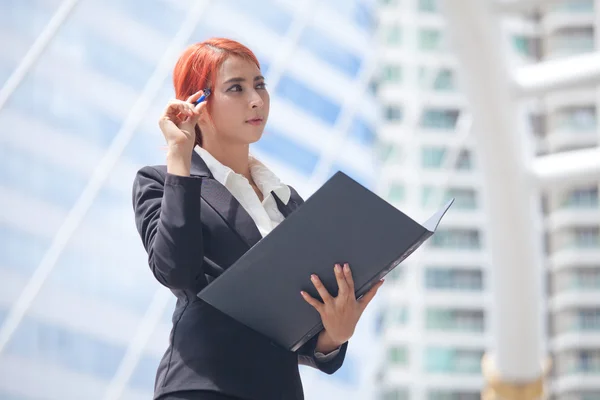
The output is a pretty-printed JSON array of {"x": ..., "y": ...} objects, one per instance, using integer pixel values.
[
  {"x": 177, "y": 124},
  {"x": 178, "y": 121}
]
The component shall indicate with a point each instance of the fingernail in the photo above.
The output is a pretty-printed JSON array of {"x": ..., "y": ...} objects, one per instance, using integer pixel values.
[
  {"x": 346, "y": 267},
  {"x": 313, "y": 277},
  {"x": 337, "y": 268},
  {"x": 302, "y": 293}
]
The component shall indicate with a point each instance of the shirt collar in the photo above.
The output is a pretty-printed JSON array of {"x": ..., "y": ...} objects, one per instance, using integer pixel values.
[{"x": 264, "y": 178}]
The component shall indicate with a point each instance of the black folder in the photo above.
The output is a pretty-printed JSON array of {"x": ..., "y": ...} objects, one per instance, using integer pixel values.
[{"x": 341, "y": 222}]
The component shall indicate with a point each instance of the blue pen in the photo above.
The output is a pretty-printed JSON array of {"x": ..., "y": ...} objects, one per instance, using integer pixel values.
[{"x": 203, "y": 97}]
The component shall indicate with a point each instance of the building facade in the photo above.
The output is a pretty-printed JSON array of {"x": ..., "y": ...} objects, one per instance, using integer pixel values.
[{"x": 438, "y": 319}]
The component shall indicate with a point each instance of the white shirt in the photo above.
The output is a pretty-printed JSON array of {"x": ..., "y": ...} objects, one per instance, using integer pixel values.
[{"x": 265, "y": 214}]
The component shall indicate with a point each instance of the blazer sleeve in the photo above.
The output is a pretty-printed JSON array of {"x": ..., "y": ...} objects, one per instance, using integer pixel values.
[
  {"x": 167, "y": 217},
  {"x": 306, "y": 356}
]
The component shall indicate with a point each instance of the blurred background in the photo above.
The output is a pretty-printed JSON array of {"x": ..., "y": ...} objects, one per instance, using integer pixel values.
[{"x": 405, "y": 96}]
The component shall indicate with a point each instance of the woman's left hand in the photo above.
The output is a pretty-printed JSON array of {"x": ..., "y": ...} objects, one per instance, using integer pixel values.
[{"x": 339, "y": 314}]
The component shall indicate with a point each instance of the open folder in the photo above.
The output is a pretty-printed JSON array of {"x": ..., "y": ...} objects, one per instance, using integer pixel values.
[{"x": 341, "y": 222}]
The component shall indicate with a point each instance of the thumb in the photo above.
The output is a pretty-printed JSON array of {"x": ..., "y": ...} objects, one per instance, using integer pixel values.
[{"x": 366, "y": 299}]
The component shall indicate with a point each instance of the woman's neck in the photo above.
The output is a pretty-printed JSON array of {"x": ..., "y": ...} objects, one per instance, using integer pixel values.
[{"x": 232, "y": 156}]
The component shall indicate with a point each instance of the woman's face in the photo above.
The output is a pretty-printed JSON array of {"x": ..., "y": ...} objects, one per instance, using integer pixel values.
[{"x": 239, "y": 102}]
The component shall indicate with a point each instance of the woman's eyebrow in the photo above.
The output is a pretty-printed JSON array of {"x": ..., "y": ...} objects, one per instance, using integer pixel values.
[{"x": 240, "y": 79}]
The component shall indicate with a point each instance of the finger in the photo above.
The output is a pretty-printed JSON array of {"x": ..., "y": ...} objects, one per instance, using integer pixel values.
[
  {"x": 366, "y": 299},
  {"x": 321, "y": 289},
  {"x": 312, "y": 301},
  {"x": 195, "y": 96},
  {"x": 349, "y": 279},
  {"x": 176, "y": 108},
  {"x": 341, "y": 280}
]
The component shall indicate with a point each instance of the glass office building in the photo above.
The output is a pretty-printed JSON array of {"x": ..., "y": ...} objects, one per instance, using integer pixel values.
[{"x": 82, "y": 84}]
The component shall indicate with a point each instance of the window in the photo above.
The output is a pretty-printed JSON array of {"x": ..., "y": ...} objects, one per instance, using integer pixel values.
[
  {"x": 465, "y": 198},
  {"x": 318, "y": 42},
  {"x": 439, "y": 118},
  {"x": 458, "y": 238},
  {"x": 398, "y": 355},
  {"x": 432, "y": 156},
  {"x": 574, "y": 119},
  {"x": 144, "y": 373},
  {"x": 443, "y": 395},
  {"x": 451, "y": 360},
  {"x": 586, "y": 237},
  {"x": 395, "y": 394},
  {"x": 454, "y": 320},
  {"x": 307, "y": 99},
  {"x": 428, "y": 6},
  {"x": 393, "y": 35},
  {"x": 431, "y": 40},
  {"x": 575, "y": 6},
  {"x": 21, "y": 251},
  {"x": 267, "y": 12},
  {"x": 25, "y": 18},
  {"x": 442, "y": 80},
  {"x": 54, "y": 106},
  {"x": 587, "y": 361},
  {"x": 527, "y": 46},
  {"x": 581, "y": 198},
  {"x": 465, "y": 160},
  {"x": 362, "y": 132},
  {"x": 392, "y": 73},
  {"x": 453, "y": 279},
  {"x": 571, "y": 41},
  {"x": 38, "y": 178},
  {"x": 585, "y": 278},
  {"x": 390, "y": 153},
  {"x": 588, "y": 319},
  {"x": 393, "y": 113},
  {"x": 397, "y": 193},
  {"x": 364, "y": 15},
  {"x": 69, "y": 349}
]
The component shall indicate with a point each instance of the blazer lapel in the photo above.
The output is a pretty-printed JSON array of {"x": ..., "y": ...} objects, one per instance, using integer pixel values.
[{"x": 223, "y": 202}]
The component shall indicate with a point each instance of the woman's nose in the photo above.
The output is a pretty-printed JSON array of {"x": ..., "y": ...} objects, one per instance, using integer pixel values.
[{"x": 256, "y": 101}]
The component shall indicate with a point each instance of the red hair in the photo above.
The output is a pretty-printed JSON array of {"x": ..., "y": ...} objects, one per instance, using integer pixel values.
[{"x": 197, "y": 68}]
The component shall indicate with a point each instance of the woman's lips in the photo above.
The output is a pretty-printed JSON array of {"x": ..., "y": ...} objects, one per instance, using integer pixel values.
[{"x": 255, "y": 121}]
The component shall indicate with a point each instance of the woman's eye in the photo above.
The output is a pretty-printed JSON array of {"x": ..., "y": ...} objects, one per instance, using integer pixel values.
[
  {"x": 235, "y": 88},
  {"x": 262, "y": 85}
]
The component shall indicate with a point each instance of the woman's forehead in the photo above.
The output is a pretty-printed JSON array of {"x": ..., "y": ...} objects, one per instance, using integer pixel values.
[{"x": 237, "y": 67}]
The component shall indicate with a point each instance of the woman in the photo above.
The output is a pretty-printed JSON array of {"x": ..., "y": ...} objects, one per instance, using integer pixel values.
[{"x": 213, "y": 199}]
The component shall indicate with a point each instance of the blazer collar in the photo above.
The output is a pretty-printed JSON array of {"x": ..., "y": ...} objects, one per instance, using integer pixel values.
[{"x": 227, "y": 206}]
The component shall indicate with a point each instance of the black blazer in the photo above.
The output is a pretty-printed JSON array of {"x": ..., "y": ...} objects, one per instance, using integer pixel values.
[{"x": 180, "y": 220}]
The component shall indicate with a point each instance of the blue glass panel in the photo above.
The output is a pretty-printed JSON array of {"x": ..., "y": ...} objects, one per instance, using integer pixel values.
[
  {"x": 21, "y": 251},
  {"x": 333, "y": 53},
  {"x": 53, "y": 106},
  {"x": 284, "y": 149},
  {"x": 308, "y": 100},
  {"x": 272, "y": 15},
  {"x": 144, "y": 373},
  {"x": 439, "y": 118},
  {"x": 25, "y": 17},
  {"x": 68, "y": 349},
  {"x": 111, "y": 59},
  {"x": 362, "y": 132},
  {"x": 13, "y": 396},
  {"x": 38, "y": 178},
  {"x": 364, "y": 16},
  {"x": 157, "y": 14}
]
